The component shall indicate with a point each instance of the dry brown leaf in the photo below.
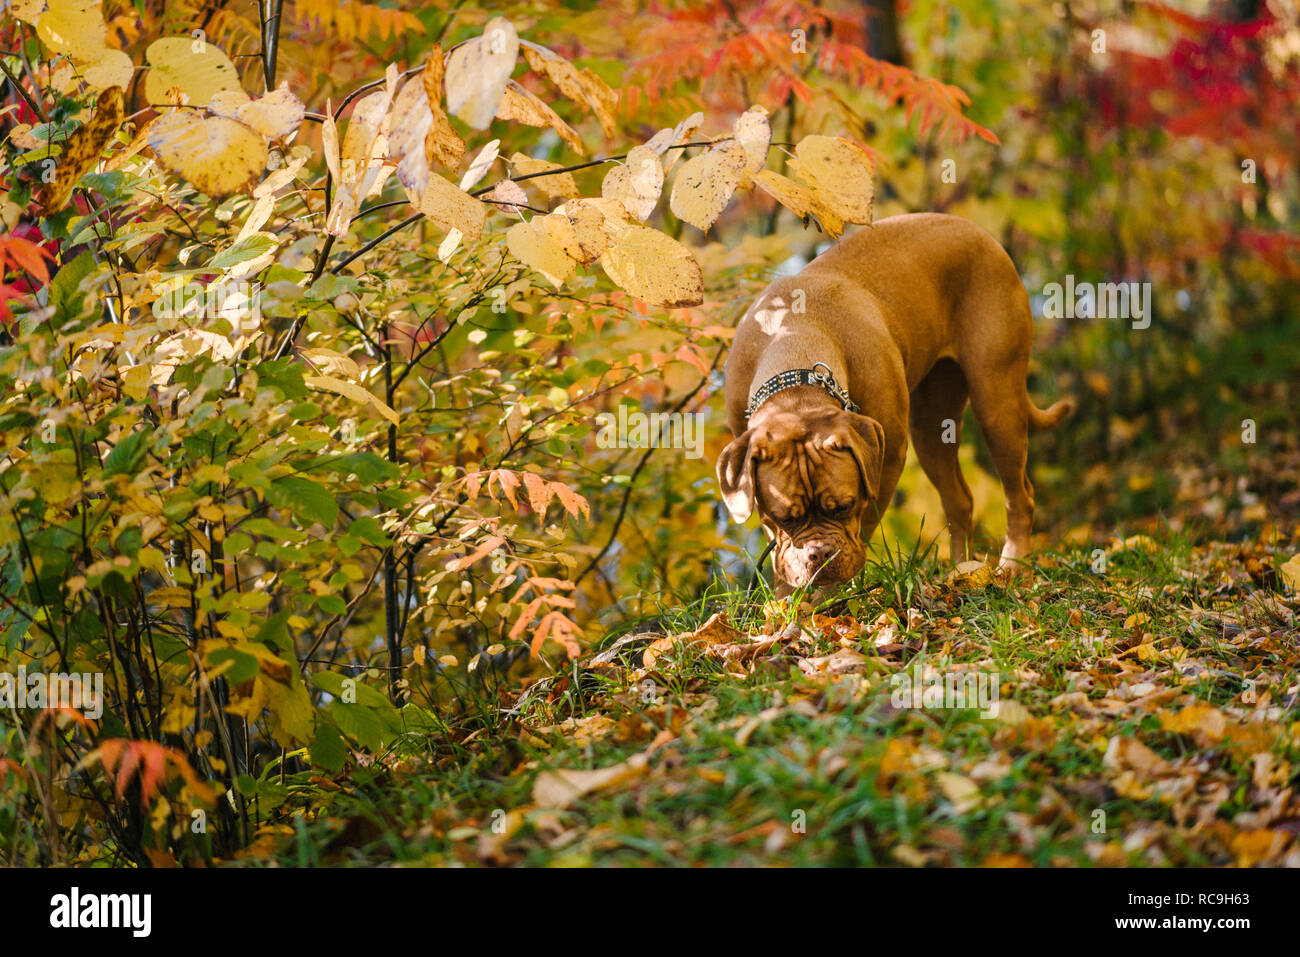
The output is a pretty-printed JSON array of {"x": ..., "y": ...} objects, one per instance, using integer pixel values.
[
  {"x": 705, "y": 183},
  {"x": 637, "y": 183},
  {"x": 83, "y": 149},
  {"x": 522, "y": 106},
  {"x": 580, "y": 86},
  {"x": 441, "y": 143},
  {"x": 477, "y": 73},
  {"x": 558, "y": 789}
]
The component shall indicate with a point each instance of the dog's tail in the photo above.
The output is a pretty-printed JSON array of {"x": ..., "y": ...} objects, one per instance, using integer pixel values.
[{"x": 1046, "y": 418}]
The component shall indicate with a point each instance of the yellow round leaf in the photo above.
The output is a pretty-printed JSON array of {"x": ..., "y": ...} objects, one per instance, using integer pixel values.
[
  {"x": 216, "y": 154},
  {"x": 705, "y": 183},
  {"x": 113, "y": 68},
  {"x": 654, "y": 267},
  {"x": 197, "y": 68}
]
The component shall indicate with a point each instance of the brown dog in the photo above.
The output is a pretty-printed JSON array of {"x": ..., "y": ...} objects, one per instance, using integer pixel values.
[{"x": 890, "y": 331}]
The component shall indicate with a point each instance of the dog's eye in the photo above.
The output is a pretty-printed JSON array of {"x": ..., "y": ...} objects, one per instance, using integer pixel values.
[{"x": 840, "y": 511}]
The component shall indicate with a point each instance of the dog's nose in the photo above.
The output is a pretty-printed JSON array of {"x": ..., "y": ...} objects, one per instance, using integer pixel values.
[{"x": 819, "y": 554}]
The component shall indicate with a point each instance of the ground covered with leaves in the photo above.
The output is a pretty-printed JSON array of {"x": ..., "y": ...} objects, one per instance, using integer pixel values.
[{"x": 1146, "y": 715}]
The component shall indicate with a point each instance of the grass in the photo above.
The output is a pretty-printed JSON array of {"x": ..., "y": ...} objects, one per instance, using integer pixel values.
[{"x": 1147, "y": 717}]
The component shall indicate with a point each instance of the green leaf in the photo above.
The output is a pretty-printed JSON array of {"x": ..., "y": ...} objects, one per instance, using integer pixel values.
[
  {"x": 308, "y": 500},
  {"x": 127, "y": 455},
  {"x": 328, "y": 750},
  {"x": 242, "y": 251},
  {"x": 243, "y": 665}
]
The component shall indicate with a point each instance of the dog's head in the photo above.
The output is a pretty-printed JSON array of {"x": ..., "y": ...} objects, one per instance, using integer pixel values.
[{"x": 813, "y": 479}]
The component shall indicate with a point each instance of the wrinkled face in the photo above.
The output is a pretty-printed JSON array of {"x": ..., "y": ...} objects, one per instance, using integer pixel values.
[{"x": 813, "y": 480}]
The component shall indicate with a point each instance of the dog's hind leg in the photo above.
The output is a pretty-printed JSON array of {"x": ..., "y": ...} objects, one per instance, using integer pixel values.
[
  {"x": 1001, "y": 407},
  {"x": 937, "y": 405}
]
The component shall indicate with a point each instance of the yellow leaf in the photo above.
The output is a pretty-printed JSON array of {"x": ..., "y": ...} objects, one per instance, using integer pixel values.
[
  {"x": 840, "y": 175},
  {"x": 1203, "y": 722},
  {"x": 654, "y": 267},
  {"x": 477, "y": 72},
  {"x": 275, "y": 115},
  {"x": 705, "y": 183},
  {"x": 452, "y": 208},
  {"x": 352, "y": 391},
  {"x": 580, "y": 233},
  {"x": 1290, "y": 572},
  {"x": 112, "y": 68},
  {"x": 754, "y": 133},
  {"x": 171, "y": 597},
  {"x": 794, "y": 197},
  {"x": 196, "y": 68},
  {"x": 74, "y": 28},
  {"x": 216, "y": 154},
  {"x": 481, "y": 164},
  {"x": 636, "y": 184},
  {"x": 532, "y": 244},
  {"x": 135, "y": 382},
  {"x": 557, "y": 186}
]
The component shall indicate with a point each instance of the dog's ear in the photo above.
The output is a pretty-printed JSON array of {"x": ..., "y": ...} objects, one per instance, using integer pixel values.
[
  {"x": 864, "y": 438},
  {"x": 736, "y": 467}
]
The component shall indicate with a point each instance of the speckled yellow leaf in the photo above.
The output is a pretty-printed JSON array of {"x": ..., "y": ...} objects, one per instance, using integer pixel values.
[
  {"x": 531, "y": 243},
  {"x": 579, "y": 232},
  {"x": 651, "y": 266},
  {"x": 705, "y": 183},
  {"x": 477, "y": 71},
  {"x": 839, "y": 173},
  {"x": 216, "y": 154},
  {"x": 198, "y": 69},
  {"x": 452, "y": 208},
  {"x": 637, "y": 183},
  {"x": 83, "y": 149}
]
